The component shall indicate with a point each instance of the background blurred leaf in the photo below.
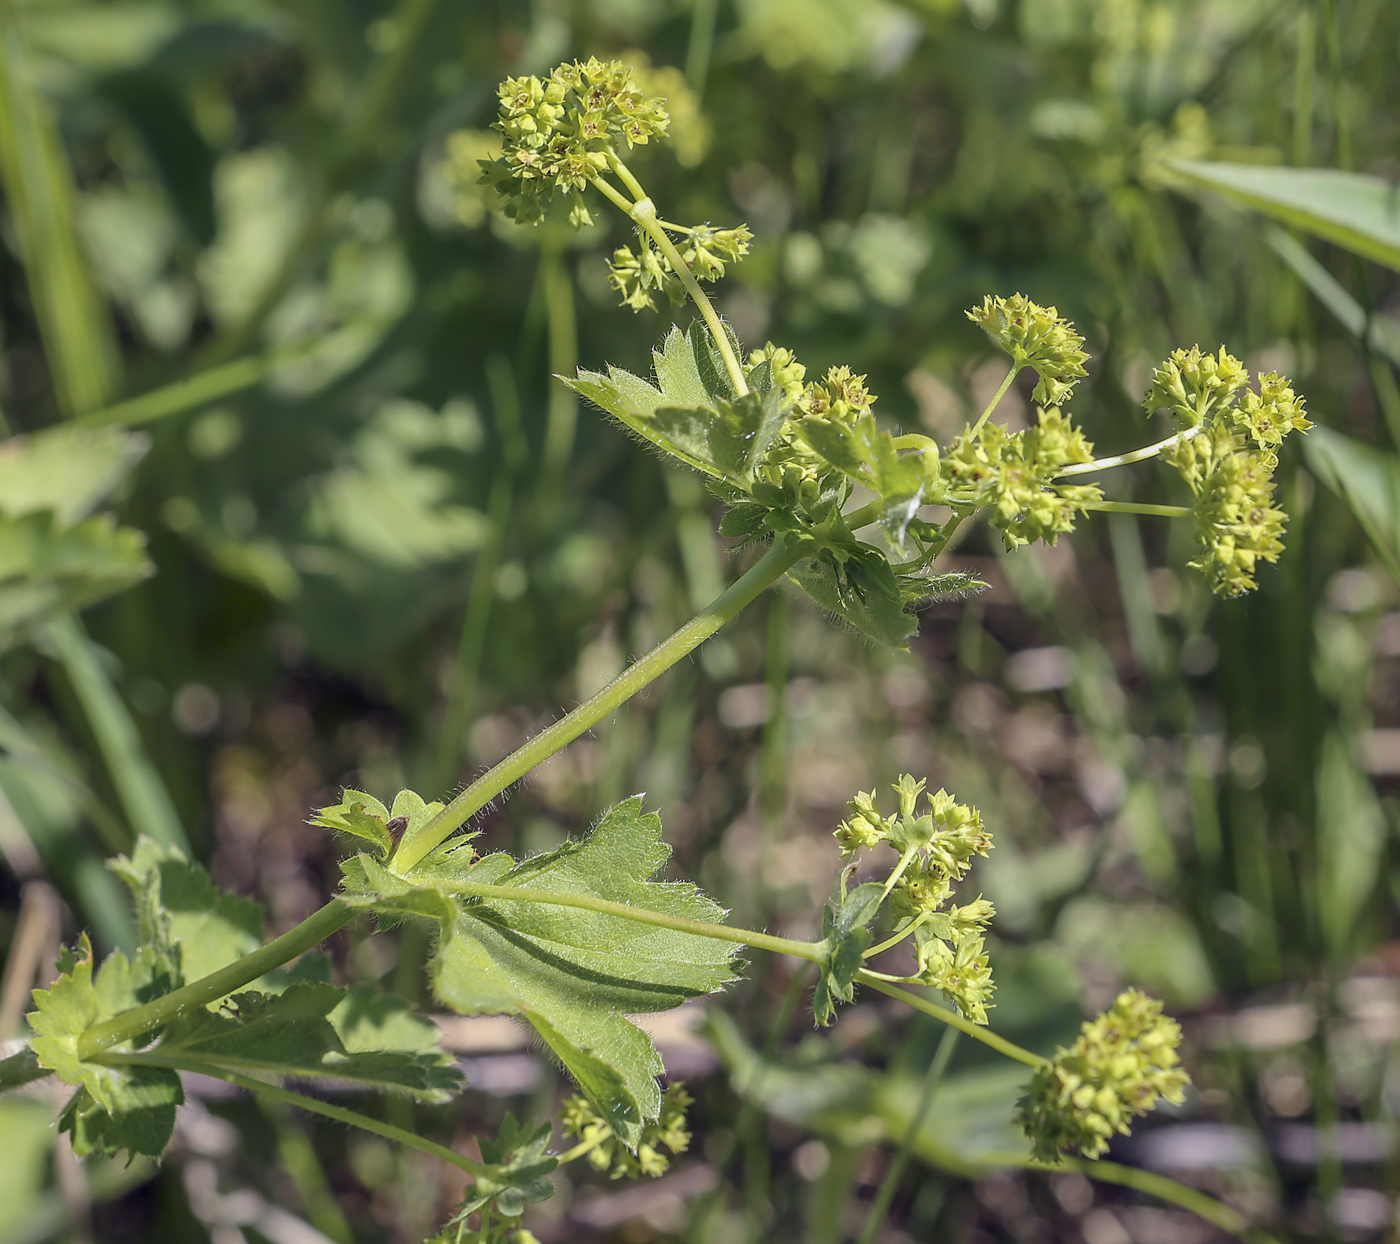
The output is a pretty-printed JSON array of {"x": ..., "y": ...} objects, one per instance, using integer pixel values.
[{"x": 1354, "y": 210}]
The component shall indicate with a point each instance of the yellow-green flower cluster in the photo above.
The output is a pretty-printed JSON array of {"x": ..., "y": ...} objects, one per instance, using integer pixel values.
[
  {"x": 1193, "y": 386},
  {"x": 705, "y": 250},
  {"x": 1272, "y": 413},
  {"x": 937, "y": 848},
  {"x": 1037, "y": 337},
  {"x": 1122, "y": 1063},
  {"x": 559, "y": 132},
  {"x": 667, "y": 1131},
  {"x": 1231, "y": 479},
  {"x": 784, "y": 371},
  {"x": 840, "y": 396},
  {"x": 1237, "y": 523},
  {"x": 1013, "y": 474}
]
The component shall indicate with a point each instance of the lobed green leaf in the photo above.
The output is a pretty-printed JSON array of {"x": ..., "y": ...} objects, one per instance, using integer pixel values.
[{"x": 573, "y": 974}]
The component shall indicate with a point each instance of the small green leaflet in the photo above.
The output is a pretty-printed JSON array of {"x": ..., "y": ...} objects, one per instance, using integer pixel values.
[
  {"x": 520, "y": 1170},
  {"x": 364, "y": 817},
  {"x": 695, "y": 414},
  {"x": 860, "y": 588},
  {"x": 574, "y": 975},
  {"x": 846, "y": 939},
  {"x": 116, "y": 1107}
]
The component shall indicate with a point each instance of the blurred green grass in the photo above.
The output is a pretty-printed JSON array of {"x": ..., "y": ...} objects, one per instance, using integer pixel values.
[{"x": 386, "y": 546}]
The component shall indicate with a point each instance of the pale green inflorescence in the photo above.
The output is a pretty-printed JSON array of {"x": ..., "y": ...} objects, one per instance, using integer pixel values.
[
  {"x": 667, "y": 1132},
  {"x": 1037, "y": 337},
  {"x": 1229, "y": 459},
  {"x": 558, "y": 133},
  {"x": 1014, "y": 474},
  {"x": 1122, "y": 1064},
  {"x": 941, "y": 843}
]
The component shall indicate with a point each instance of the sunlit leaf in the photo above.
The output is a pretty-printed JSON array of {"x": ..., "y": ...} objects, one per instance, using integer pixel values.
[{"x": 1354, "y": 210}]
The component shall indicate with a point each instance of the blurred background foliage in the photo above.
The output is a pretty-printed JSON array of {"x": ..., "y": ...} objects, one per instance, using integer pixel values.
[{"x": 276, "y": 381}]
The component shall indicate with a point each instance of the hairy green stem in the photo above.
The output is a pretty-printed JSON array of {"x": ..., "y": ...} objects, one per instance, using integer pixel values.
[
  {"x": 762, "y": 574},
  {"x": 1137, "y": 507},
  {"x": 643, "y": 212},
  {"x": 954, "y": 1020},
  {"x": 296, "y": 941},
  {"x": 681, "y": 924},
  {"x": 352, "y": 1118},
  {"x": 1016, "y": 365},
  {"x": 1136, "y": 455}
]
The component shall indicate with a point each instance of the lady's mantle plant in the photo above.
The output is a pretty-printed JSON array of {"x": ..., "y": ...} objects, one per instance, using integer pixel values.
[{"x": 575, "y": 940}]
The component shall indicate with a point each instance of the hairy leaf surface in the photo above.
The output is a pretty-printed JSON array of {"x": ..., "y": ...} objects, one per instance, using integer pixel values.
[
  {"x": 573, "y": 974},
  {"x": 357, "y": 1035},
  {"x": 182, "y": 915},
  {"x": 116, "y": 1107},
  {"x": 846, "y": 939},
  {"x": 860, "y": 588}
]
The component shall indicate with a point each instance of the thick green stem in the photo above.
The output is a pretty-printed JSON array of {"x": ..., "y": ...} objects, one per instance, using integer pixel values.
[
  {"x": 1136, "y": 455},
  {"x": 953, "y": 1019},
  {"x": 1137, "y": 507},
  {"x": 762, "y": 574},
  {"x": 585, "y": 902},
  {"x": 297, "y": 941},
  {"x": 352, "y": 1118}
]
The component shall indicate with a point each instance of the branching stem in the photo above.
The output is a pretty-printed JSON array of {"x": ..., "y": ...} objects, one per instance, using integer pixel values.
[
  {"x": 952, "y": 1018},
  {"x": 1016, "y": 364},
  {"x": 1136, "y": 455},
  {"x": 766, "y": 571},
  {"x": 643, "y": 212},
  {"x": 353, "y": 1118}
]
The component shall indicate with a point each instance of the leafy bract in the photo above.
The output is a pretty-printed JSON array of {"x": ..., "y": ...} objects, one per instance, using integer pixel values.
[
  {"x": 861, "y": 588},
  {"x": 364, "y": 817},
  {"x": 845, "y": 938},
  {"x": 573, "y": 974},
  {"x": 858, "y": 449},
  {"x": 116, "y": 1107},
  {"x": 182, "y": 916},
  {"x": 695, "y": 414},
  {"x": 519, "y": 1171},
  {"x": 1354, "y": 210}
]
